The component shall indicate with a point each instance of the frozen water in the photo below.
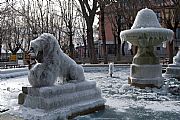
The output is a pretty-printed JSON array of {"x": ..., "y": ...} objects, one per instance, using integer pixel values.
[
  {"x": 13, "y": 72},
  {"x": 146, "y": 18},
  {"x": 123, "y": 101},
  {"x": 146, "y": 36},
  {"x": 146, "y": 30}
]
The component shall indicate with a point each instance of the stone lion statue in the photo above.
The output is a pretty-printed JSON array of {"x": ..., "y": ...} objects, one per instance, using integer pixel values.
[{"x": 52, "y": 63}]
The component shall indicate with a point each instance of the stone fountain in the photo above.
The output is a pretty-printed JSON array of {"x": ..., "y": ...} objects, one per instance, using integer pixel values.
[
  {"x": 58, "y": 100},
  {"x": 146, "y": 32},
  {"x": 173, "y": 70}
]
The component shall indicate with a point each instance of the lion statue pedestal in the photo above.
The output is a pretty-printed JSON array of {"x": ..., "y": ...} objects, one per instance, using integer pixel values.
[{"x": 75, "y": 96}]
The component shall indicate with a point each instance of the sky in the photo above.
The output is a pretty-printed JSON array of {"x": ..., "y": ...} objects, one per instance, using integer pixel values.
[{"x": 18, "y": 4}]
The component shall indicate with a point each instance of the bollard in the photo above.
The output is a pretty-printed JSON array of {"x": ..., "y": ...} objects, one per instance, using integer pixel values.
[{"x": 111, "y": 69}]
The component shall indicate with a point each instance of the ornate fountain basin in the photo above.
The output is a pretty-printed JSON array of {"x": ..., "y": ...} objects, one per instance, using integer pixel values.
[
  {"x": 144, "y": 37},
  {"x": 146, "y": 32}
]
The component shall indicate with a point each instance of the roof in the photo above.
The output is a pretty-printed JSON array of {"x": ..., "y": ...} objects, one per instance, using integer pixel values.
[
  {"x": 2, "y": 50},
  {"x": 20, "y": 51}
]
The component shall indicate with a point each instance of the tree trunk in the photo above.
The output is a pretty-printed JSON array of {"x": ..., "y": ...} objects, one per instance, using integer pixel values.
[
  {"x": 59, "y": 36},
  {"x": 0, "y": 41},
  {"x": 115, "y": 46},
  {"x": 123, "y": 51},
  {"x": 29, "y": 38},
  {"x": 71, "y": 46},
  {"x": 91, "y": 48},
  {"x": 85, "y": 47},
  {"x": 131, "y": 50},
  {"x": 103, "y": 35},
  {"x": 170, "y": 46},
  {"x": 0, "y": 48},
  {"x": 89, "y": 15},
  {"x": 118, "y": 38},
  {"x": 170, "y": 51},
  {"x": 118, "y": 45}
]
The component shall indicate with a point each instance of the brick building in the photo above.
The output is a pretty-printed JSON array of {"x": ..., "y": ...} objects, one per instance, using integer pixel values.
[{"x": 110, "y": 41}]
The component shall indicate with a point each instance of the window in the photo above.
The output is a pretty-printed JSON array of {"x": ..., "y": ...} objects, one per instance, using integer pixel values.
[
  {"x": 158, "y": 48},
  {"x": 111, "y": 49},
  {"x": 178, "y": 33}
]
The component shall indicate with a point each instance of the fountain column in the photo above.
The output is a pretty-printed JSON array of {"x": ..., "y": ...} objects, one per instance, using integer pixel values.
[{"x": 146, "y": 32}]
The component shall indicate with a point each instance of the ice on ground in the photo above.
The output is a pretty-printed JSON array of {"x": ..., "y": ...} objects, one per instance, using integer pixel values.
[
  {"x": 123, "y": 101},
  {"x": 13, "y": 72}
]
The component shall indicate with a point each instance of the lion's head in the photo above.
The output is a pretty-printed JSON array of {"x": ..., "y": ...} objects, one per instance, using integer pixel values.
[{"x": 44, "y": 46}]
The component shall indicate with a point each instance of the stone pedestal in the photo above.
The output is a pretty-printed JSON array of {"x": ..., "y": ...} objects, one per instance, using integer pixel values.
[
  {"x": 65, "y": 101},
  {"x": 173, "y": 71},
  {"x": 146, "y": 70},
  {"x": 146, "y": 75}
]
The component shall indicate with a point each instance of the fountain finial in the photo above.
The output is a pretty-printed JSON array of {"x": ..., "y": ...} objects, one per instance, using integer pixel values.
[{"x": 146, "y": 18}]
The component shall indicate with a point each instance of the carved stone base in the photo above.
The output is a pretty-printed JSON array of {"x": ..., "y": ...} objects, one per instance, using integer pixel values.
[
  {"x": 146, "y": 75},
  {"x": 172, "y": 71},
  {"x": 64, "y": 101}
]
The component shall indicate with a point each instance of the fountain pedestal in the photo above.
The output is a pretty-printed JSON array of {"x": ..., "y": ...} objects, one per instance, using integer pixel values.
[
  {"x": 146, "y": 75},
  {"x": 173, "y": 70},
  {"x": 146, "y": 32},
  {"x": 145, "y": 55}
]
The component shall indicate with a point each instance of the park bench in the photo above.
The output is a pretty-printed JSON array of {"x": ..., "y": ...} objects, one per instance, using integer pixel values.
[
  {"x": 164, "y": 60},
  {"x": 100, "y": 60},
  {"x": 11, "y": 64},
  {"x": 2, "y": 65}
]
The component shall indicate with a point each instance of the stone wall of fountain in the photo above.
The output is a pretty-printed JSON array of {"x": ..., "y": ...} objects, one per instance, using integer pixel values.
[{"x": 146, "y": 33}]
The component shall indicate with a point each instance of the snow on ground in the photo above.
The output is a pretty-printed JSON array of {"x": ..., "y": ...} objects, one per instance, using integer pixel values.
[
  {"x": 10, "y": 89},
  {"x": 13, "y": 72},
  {"x": 123, "y": 101}
]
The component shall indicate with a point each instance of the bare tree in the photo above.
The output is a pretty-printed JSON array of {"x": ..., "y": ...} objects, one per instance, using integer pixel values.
[
  {"x": 170, "y": 10},
  {"x": 70, "y": 16},
  {"x": 102, "y": 4},
  {"x": 4, "y": 9},
  {"x": 121, "y": 14},
  {"x": 89, "y": 10},
  {"x": 9, "y": 28},
  {"x": 23, "y": 20}
]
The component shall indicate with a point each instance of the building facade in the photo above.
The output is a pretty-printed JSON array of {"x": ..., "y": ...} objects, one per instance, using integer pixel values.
[{"x": 160, "y": 50}]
